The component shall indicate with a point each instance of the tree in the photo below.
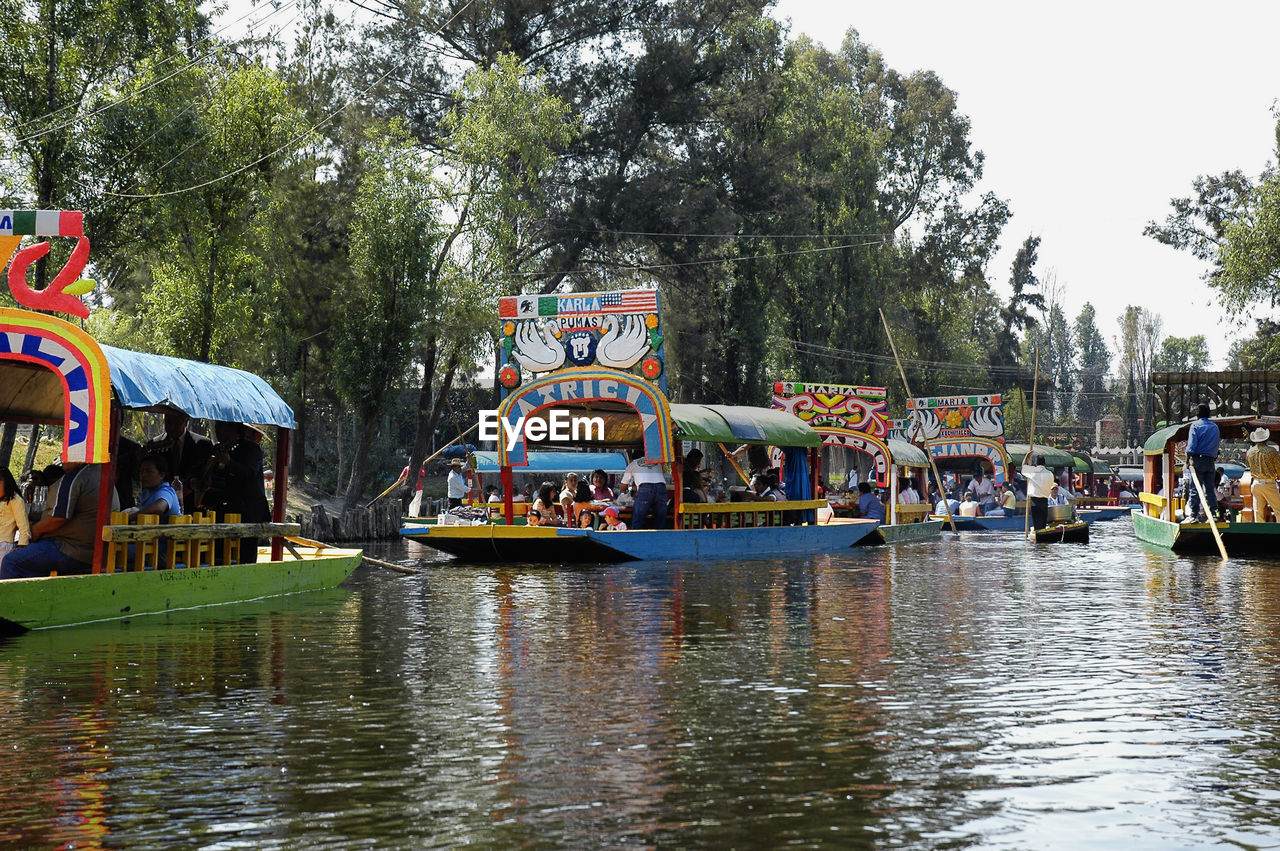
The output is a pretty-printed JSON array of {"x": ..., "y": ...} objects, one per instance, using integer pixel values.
[
  {"x": 1232, "y": 224},
  {"x": 1016, "y": 316},
  {"x": 1094, "y": 361},
  {"x": 395, "y": 235},
  {"x": 1261, "y": 351},
  {"x": 1058, "y": 356},
  {"x": 1182, "y": 354},
  {"x": 1138, "y": 346}
]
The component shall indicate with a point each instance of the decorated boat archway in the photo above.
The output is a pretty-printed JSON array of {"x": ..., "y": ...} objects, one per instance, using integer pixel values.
[
  {"x": 847, "y": 416},
  {"x": 960, "y": 430}
]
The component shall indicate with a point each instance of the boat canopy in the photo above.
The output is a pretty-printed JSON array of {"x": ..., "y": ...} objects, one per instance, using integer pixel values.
[
  {"x": 558, "y": 462},
  {"x": 200, "y": 390},
  {"x": 907, "y": 454},
  {"x": 1052, "y": 457},
  {"x": 741, "y": 424},
  {"x": 1237, "y": 428}
]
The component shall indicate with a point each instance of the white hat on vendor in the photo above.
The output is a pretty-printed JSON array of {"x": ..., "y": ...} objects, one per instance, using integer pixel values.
[{"x": 1261, "y": 434}]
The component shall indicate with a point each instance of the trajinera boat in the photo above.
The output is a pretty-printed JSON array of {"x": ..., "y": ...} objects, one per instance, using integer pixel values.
[
  {"x": 855, "y": 435},
  {"x": 1156, "y": 524},
  {"x": 54, "y": 373},
  {"x": 587, "y": 371}
]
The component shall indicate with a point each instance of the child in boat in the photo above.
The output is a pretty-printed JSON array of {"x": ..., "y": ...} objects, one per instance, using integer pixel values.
[
  {"x": 611, "y": 521},
  {"x": 533, "y": 518},
  {"x": 582, "y": 502},
  {"x": 586, "y": 520}
]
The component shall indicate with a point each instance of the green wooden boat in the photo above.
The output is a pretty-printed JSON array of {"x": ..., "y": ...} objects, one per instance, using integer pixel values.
[
  {"x": 904, "y": 533},
  {"x": 1239, "y": 538},
  {"x": 52, "y": 601},
  {"x": 52, "y": 372}
]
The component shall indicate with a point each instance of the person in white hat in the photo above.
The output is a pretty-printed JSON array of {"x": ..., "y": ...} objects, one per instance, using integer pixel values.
[
  {"x": 456, "y": 483},
  {"x": 1264, "y": 466}
]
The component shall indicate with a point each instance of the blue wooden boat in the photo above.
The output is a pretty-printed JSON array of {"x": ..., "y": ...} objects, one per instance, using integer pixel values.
[{"x": 598, "y": 359}]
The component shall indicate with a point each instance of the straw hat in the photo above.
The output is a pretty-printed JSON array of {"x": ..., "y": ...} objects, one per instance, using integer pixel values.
[
  {"x": 457, "y": 462},
  {"x": 1260, "y": 435}
]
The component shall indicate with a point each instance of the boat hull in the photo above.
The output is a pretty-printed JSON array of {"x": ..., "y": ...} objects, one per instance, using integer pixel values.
[
  {"x": 53, "y": 601},
  {"x": 904, "y": 533},
  {"x": 1238, "y": 538},
  {"x": 1064, "y": 533},
  {"x": 540, "y": 544}
]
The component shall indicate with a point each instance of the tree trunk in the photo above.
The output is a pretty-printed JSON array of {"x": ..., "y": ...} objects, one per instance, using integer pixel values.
[
  {"x": 430, "y": 406},
  {"x": 206, "y": 325},
  {"x": 355, "y": 486},
  {"x": 340, "y": 421},
  {"x": 7, "y": 436},
  {"x": 31, "y": 448}
]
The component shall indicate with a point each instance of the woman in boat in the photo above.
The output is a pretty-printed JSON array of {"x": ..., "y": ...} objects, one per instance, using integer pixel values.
[
  {"x": 600, "y": 490},
  {"x": 582, "y": 503},
  {"x": 15, "y": 529},
  {"x": 546, "y": 504},
  {"x": 567, "y": 495}
]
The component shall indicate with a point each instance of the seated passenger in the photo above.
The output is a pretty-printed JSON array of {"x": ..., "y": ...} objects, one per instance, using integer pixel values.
[
  {"x": 600, "y": 490},
  {"x": 611, "y": 521},
  {"x": 586, "y": 519},
  {"x": 1009, "y": 501},
  {"x": 533, "y": 518},
  {"x": 582, "y": 502},
  {"x": 65, "y": 538},
  {"x": 546, "y": 504},
  {"x": 157, "y": 495},
  {"x": 15, "y": 527},
  {"x": 970, "y": 507},
  {"x": 869, "y": 505},
  {"x": 907, "y": 494}
]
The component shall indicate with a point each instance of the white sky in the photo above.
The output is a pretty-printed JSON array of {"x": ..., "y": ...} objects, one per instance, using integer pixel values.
[{"x": 1092, "y": 117}]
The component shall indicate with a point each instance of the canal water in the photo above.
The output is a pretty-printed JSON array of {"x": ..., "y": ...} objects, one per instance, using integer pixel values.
[{"x": 970, "y": 692}]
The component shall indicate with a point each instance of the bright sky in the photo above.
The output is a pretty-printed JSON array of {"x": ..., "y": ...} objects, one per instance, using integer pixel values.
[{"x": 1092, "y": 117}]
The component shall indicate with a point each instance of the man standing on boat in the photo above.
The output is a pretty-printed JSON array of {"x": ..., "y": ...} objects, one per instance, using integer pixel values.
[
  {"x": 651, "y": 492},
  {"x": 1039, "y": 489},
  {"x": 1202, "y": 452},
  {"x": 1264, "y": 467},
  {"x": 64, "y": 539}
]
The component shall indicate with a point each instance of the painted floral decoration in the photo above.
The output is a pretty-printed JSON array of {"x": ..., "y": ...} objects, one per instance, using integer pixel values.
[
  {"x": 651, "y": 367},
  {"x": 651, "y": 321},
  {"x": 954, "y": 419},
  {"x": 508, "y": 328},
  {"x": 509, "y": 377}
]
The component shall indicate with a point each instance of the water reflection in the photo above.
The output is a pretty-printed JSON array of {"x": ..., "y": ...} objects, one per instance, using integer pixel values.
[{"x": 969, "y": 691}]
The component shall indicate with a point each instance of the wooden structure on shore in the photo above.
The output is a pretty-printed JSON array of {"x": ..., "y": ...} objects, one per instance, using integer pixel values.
[
  {"x": 379, "y": 522},
  {"x": 1175, "y": 395}
]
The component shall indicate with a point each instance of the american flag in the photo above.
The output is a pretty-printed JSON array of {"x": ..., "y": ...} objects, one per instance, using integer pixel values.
[{"x": 631, "y": 301}]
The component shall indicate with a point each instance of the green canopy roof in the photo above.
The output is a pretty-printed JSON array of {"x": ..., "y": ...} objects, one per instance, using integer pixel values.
[
  {"x": 907, "y": 454},
  {"x": 1052, "y": 457},
  {"x": 741, "y": 424}
]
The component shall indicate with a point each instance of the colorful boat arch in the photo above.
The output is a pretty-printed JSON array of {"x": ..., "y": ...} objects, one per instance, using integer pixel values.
[
  {"x": 974, "y": 447},
  {"x": 573, "y": 386},
  {"x": 81, "y": 367},
  {"x": 867, "y": 444}
]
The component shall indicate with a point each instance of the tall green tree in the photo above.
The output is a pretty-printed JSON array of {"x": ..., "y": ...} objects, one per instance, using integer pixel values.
[
  {"x": 395, "y": 235},
  {"x": 1016, "y": 315},
  {"x": 1094, "y": 361},
  {"x": 1182, "y": 354},
  {"x": 1138, "y": 347}
]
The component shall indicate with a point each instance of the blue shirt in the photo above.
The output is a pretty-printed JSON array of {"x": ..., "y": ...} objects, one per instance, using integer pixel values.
[
  {"x": 869, "y": 506},
  {"x": 163, "y": 491},
  {"x": 1203, "y": 438}
]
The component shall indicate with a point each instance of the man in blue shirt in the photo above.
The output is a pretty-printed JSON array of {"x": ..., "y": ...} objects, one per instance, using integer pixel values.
[
  {"x": 1202, "y": 450},
  {"x": 869, "y": 505}
]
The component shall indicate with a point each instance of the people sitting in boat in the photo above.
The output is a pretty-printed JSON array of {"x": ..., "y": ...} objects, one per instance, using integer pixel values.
[
  {"x": 533, "y": 518},
  {"x": 767, "y": 489},
  {"x": 982, "y": 490},
  {"x": 869, "y": 505},
  {"x": 64, "y": 540},
  {"x": 567, "y": 493},
  {"x": 546, "y": 503},
  {"x": 15, "y": 526},
  {"x": 650, "y": 485},
  {"x": 970, "y": 507},
  {"x": 157, "y": 495},
  {"x": 600, "y": 490},
  {"x": 582, "y": 502},
  {"x": 907, "y": 493},
  {"x": 1008, "y": 502},
  {"x": 586, "y": 519},
  {"x": 491, "y": 494},
  {"x": 188, "y": 453},
  {"x": 612, "y": 523},
  {"x": 1039, "y": 486},
  {"x": 241, "y": 481},
  {"x": 1057, "y": 497}
]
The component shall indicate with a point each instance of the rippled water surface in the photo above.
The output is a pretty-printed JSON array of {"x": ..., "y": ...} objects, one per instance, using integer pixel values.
[{"x": 973, "y": 692}]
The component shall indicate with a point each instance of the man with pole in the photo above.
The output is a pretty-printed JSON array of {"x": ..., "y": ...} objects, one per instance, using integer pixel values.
[{"x": 1202, "y": 452}]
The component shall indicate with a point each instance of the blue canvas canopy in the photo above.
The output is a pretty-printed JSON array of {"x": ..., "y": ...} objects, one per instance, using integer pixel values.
[
  {"x": 200, "y": 390},
  {"x": 558, "y": 462}
]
